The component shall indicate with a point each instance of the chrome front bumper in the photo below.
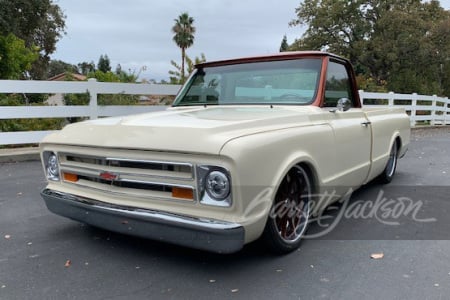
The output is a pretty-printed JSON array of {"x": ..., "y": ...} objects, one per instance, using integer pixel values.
[{"x": 199, "y": 233}]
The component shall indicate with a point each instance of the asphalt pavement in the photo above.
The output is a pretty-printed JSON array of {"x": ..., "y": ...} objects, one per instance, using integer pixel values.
[{"x": 406, "y": 229}]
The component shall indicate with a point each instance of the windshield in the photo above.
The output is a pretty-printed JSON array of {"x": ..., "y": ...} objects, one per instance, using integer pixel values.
[{"x": 273, "y": 82}]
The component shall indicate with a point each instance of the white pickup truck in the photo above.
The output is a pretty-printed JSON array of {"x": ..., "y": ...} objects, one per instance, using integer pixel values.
[{"x": 244, "y": 153}]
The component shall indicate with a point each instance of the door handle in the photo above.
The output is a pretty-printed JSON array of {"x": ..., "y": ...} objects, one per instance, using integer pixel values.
[{"x": 365, "y": 124}]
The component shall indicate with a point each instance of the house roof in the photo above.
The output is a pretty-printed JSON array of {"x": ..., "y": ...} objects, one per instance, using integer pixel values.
[{"x": 63, "y": 77}]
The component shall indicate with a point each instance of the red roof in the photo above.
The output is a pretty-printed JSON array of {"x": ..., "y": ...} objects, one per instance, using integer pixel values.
[{"x": 271, "y": 57}]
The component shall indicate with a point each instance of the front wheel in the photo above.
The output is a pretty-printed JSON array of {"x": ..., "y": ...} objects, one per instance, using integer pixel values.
[
  {"x": 391, "y": 166},
  {"x": 290, "y": 212}
]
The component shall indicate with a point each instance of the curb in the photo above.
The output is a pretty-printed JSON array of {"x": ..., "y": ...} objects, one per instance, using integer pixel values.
[{"x": 19, "y": 154}]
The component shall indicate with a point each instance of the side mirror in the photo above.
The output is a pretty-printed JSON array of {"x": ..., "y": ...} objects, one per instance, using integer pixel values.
[{"x": 343, "y": 104}]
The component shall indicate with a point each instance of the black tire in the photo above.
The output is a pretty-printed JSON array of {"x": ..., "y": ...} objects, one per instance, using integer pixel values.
[
  {"x": 289, "y": 215},
  {"x": 391, "y": 165}
]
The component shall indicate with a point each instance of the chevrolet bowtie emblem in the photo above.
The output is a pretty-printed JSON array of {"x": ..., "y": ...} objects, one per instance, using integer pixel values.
[{"x": 109, "y": 176}]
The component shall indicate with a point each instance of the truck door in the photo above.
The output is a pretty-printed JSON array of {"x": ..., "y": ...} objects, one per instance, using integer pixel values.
[{"x": 352, "y": 131}]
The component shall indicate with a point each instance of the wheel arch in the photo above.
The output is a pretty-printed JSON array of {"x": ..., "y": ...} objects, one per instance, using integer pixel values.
[
  {"x": 398, "y": 139},
  {"x": 310, "y": 167}
]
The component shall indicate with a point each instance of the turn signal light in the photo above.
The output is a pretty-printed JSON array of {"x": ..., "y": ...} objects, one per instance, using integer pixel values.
[
  {"x": 183, "y": 193},
  {"x": 70, "y": 177}
]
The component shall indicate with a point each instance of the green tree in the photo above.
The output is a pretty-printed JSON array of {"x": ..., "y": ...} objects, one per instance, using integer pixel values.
[
  {"x": 404, "y": 49},
  {"x": 336, "y": 26},
  {"x": 184, "y": 37},
  {"x": 118, "y": 69},
  {"x": 15, "y": 58},
  {"x": 57, "y": 67},
  {"x": 284, "y": 44},
  {"x": 86, "y": 67},
  {"x": 15, "y": 62},
  {"x": 175, "y": 75},
  {"x": 400, "y": 44},
  {"x": 104, "y": 64},
  {"x": 39, "y": 23},
  {"x": 441, "y": 38}
]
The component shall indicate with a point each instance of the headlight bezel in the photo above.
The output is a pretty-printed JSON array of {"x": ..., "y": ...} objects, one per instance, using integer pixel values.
[
  {"x": 51, "y": 166},
  {"x": 205, "y": 175}
]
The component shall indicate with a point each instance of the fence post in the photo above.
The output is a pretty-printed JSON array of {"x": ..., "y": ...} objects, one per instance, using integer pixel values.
[
  {"x": 361, "y": 97},
  {"x": 433, "y": 110},
  {"x": 93, "y": 106},
  {"x": 446, "y": 110},
  {"x": 413, "y": 109},
  {"x": 391, "y": 97}
]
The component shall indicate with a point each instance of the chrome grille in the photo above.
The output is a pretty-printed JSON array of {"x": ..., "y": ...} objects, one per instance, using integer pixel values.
[{"x": 135, "y": 177}]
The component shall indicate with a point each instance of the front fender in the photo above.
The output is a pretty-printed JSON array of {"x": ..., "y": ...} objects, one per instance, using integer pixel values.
[{"x": 260, "y": 162}]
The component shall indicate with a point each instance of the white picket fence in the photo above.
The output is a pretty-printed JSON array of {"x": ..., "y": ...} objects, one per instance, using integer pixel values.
[
  {"x": 432, "y": 110},
  {"x": 422, "y": 109},
  {"x": 93, "y": 110}
]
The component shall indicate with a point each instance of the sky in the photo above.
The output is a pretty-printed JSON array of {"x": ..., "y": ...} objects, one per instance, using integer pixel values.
[{"x": 137, "y": 33}]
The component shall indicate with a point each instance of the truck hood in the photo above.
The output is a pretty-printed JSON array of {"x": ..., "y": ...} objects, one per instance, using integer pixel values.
[{"x": 188, "y": 130}]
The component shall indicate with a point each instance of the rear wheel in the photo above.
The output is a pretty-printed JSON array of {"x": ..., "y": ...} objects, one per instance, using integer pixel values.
[
  {"x": 391, "y": 166},
  {"x": 289, "y": 215}
]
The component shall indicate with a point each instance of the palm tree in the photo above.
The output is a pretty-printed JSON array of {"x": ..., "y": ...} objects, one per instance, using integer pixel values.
[{"x": 184, "y": 36}]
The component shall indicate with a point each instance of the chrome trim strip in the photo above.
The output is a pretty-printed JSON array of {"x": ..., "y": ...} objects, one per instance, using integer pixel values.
[
  {"x": 128, "y": 194},
  {"x": 126, "y": 191},
  {"x": 157, "y": 176},
  {"x": 155, "y": 162},
  {"x": 201, "y": 233},
  {"x": 149, "y": 161},
  {"x": 80, "y": 170},
  {"x": 154, "y": 183}
]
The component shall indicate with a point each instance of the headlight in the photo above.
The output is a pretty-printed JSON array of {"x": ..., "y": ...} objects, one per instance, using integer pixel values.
[
  {"x": 51, "y": 166},
  {"x": 217, "y": 185},
  {"x": 214, "y": 185}
]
